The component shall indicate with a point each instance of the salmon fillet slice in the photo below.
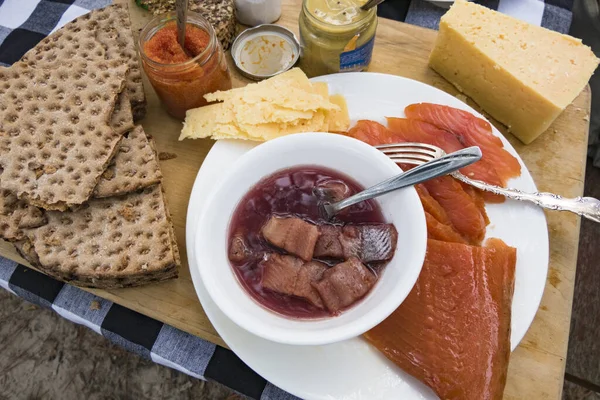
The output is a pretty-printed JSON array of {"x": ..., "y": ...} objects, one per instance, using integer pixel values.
[
  {"x": 443, "y": 198},
  {"x": 412, "y": 130},
  {"x": 471, "y": 131},
  {"x": 438, "y": 231},
  {"x": 431, "y": 205},
  {"x": 478, "y": 198},
  {"x": 372, "y": 133},
  {"x": 453, "y": 330},
  {"x": 460, "y": 207}
]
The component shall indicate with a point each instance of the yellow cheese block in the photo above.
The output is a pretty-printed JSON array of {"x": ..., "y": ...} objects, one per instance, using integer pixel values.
[{"x": 522, "y": 75}]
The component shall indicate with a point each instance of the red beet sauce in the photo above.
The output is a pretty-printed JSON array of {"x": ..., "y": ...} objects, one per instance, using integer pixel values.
[{"x": 288, "y": 192}]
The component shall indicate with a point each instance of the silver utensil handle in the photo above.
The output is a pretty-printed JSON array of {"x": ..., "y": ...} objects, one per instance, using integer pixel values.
[
  {"x": 587, "y": 207},
  {"x": 370, "y": 4},
  {"x": 181, "y": 8},
  {"x": 432, "y": 169}
]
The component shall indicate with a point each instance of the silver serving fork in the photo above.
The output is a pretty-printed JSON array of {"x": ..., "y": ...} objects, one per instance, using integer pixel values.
[
  {"x": 438, "y": 166},
  {"x": 419, "y": 153}
]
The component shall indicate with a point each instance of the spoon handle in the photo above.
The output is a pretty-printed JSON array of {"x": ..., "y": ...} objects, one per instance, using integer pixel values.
[
  {"x": 181, "y": 7},
  {"x": 370, "y": 4},
  {"x": 587, "y": 207},
  {"x": 432, "y": 169}
]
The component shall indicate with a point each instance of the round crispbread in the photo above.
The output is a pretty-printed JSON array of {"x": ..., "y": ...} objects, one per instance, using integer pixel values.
[
  {"x": 102, "y": 34},
  {"x": 107, "y": 243}
]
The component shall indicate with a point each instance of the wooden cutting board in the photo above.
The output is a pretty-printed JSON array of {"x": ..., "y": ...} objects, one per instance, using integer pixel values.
[{"x": 556, "y": 161}]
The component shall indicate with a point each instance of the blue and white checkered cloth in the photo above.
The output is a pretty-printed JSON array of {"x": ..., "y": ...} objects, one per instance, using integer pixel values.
[{"x": 23, "y": 23}]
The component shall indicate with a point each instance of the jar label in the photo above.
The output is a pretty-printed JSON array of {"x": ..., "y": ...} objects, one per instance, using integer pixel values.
[{"x": 356, "y": 59}]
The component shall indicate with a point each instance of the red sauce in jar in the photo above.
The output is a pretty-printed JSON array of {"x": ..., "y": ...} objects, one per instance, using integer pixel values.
[
  {"x": 164, "y": 48},
  {"x": 181, "y": 77},
  {"x": 289, "y": 192}
]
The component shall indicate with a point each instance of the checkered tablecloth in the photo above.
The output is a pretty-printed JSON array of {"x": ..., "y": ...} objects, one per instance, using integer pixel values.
[{"x": 23, "y": 23}]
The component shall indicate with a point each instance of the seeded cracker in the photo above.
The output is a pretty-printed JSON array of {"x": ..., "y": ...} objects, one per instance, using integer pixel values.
[
  {"x": 133, "y": 167},
  {"x": 55, "y": 141},
  {"x": 16, "y": 215},
  {"x": 121, "y": 119},
  {"x": 107, "y": 243},
  {"x": 98, "y": 35}
]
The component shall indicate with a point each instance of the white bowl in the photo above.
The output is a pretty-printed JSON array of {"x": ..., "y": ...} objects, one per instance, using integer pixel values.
[{"x": 352, "y": 157}]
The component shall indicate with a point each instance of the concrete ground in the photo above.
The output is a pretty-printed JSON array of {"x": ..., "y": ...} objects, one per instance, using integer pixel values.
[{"x": 44, "y": 356}]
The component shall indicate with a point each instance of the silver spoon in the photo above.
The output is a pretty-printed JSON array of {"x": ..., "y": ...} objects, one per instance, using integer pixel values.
[
  {"x": 419, "y": 153},
  {"x": 371, "y": 4},
  {"x": 181, "y": 7},
  {"x": 429, "y": 170}
]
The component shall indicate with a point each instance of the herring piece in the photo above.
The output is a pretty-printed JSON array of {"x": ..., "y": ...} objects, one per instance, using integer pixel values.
[
  {"x": 369, "y": 243},
  {"x": 344, "y": 284},
  {"x": 291, "y": 276},
  {"x": 293, "y": 235}
]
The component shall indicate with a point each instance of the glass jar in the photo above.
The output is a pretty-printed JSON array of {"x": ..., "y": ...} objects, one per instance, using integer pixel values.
[
  {"x": 336, "y": 36},
  {"x": 181, "y": 86}
]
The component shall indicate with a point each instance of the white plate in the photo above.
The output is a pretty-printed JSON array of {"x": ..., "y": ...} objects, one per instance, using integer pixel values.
[{"x": 353, "y": 369}]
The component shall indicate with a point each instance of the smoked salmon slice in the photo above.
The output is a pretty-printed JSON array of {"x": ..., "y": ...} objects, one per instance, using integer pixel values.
[
  {"x": 438, "y": 231},
  {"x": 471, "y": 131},
  {"x": 466, "y": 216},
  {"x": 443, "y": 198},
  {"x": 413, "y": 130},
  {"x": 478, "y": 199},
  {"x": 372, "y": 133},
  {"x": 431, "y": 205},
  {"x": 452, "y": 332}
]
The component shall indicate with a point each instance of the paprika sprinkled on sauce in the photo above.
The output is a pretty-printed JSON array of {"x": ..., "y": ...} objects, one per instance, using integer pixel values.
[{"x": 182, "y": 76}]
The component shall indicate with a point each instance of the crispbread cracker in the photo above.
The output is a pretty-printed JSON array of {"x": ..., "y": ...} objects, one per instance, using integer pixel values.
[
  {"x": 25, "y": 249},
  {"x": 108, "y": 243},
  {"x": 16, "y": 215},
  {"x": 121, "y": 119},
  {"x": 103, "y": 34},
  {"x": 55, "y": 141},
  {"x": 175, "y": 247},
  {"x": 134, "y": 166}
]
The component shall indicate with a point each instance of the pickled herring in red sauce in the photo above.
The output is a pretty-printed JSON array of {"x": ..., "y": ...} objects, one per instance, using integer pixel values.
[{"x": 262, "y": 261}]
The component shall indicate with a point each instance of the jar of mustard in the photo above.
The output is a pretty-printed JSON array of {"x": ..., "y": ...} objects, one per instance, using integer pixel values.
[{"x": 336, "y": 36}]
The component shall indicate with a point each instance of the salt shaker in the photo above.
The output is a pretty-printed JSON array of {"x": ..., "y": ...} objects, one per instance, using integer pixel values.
[{"x": 257, "y": 12}]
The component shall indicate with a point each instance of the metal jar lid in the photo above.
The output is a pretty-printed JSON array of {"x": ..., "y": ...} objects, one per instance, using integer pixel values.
[{"x": 265, "y": 51}]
